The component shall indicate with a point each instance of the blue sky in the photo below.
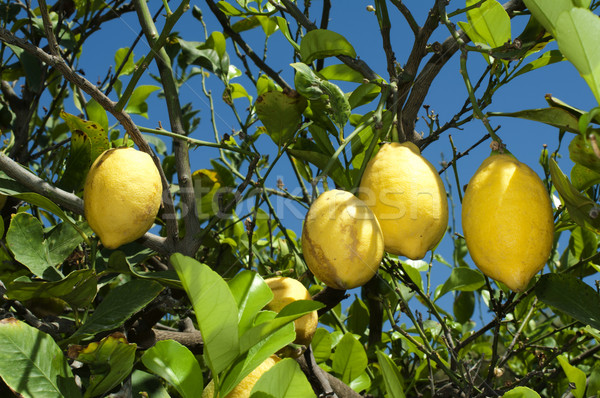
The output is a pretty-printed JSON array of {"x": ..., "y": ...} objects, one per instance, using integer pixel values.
[{"x": 351, "y": 19}]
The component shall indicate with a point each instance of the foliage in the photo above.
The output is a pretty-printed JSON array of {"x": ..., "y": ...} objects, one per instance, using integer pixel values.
[{"x": 184, "y": 305}]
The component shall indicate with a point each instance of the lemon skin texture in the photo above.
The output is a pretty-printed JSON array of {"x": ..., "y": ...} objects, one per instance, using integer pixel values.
[
  {"x": 285, "y": 291},
  {"x": 121, "y": 196},
  {"x": 244, "y": 389},
  {"x": 507, "y": 221},
  {"x": 408, "y": 197},
  {"x": 342, "y": 241}
]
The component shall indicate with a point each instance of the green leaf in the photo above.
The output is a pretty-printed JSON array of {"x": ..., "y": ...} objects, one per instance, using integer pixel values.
[
  {"x": 521, "y": 392},
  {"x": 137, "y": 102},
  {"x": 110, "y": 361},
  {"x": 364, "y": 94},
  {"x": 556, "y": 117},
  {"x": 462, "y": 279},
  {"x": 281, "y": 114},
  {"x": 358, "y": 317},
  {"x": 284, "y": 28},
  {"x": 32, "y": 364},
  {"x": 547, "y": 58},
  {"x": 321, "y": 345},
  {"x": 391, "y": 375},
  {"x": 118, "y": 306},
  {"x": 322, "y": 43},
  {"x": 491, "y": 22},
  {"x": 32, "y": 66},
  {"x": 582, "y": 152},
  {"x": 215, "y": 308},
  {"x": 78, "y": 289},
  {"x": 578, "y": 205},
  {"x": 548, "y": 11},
  {"x": 93, "y": 130},
  {"x": 571, "y": 296},
  {"x": 284, "y": 380},
  {"x": 341, "y": 72},
  {"x": 177, "y": 365},
  {"x": 582, "y": 178},
  {"x": 127, "y": 67},
  {"x": 578, "y": 38},
  {"x": 288, "y": 314},
  {"x": 78, "y": 162},
  {"x": 143, "y": 382},
  {"x": 25, "y": 238},
  {"x": 350, "y": 358},
  {"x": 251, "y": 294},
  {"x": 118, "y": 262},
  {"x": 574, "y": 375},
  {"x": 464, "y": 306},
  {"x": 97, "y": 114}
]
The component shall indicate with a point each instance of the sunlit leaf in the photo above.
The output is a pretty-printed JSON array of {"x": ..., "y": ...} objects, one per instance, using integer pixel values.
[
  {"x": 391, "y": 375},
  {"x": 350, "y": 358},
  {"x": 281, "y": 114},
  {"x": 574, "y": 375},
  {"x": 284, "y": 380},
  {"x": 322, "y": 43}
]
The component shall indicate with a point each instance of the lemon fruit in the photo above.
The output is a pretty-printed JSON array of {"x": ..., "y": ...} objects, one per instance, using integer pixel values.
[
  {"x": 244, "y": 388},
  {"x": 408, "y": 197},
  {"x": 285, "y": 291},
  {"x": 342, "y": 241},
  {"x": 121, "y": 196},
  {"x": 507, "y": 221}
]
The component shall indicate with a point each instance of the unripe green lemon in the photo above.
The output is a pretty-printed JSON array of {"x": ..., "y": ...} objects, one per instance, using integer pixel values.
[
  {"x": 342, "y": 241},
  {"x": 408, "y": 197},
  {"x": 244, "y": 389},
  {"x": 507, "y": 221},
  {"x": 285, "y": 291},
  {"x": 122, "y": 195}
]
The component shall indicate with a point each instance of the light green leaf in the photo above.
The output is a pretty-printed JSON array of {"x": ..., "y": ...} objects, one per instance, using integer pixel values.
[
  {"x": 284, "y": 28},
  {"x": 548, "y": 11},
  {"x": 251, "y": 294},
  {"x": 578, "y": 38},
  {"x": 521, "y": 392},
  {"x": 177, "y": 365},
  {"x": 547, "y": 58},
  {"x": 322, "y": 43},
  {"x": 137, "y": 102},
  {"x": 215, "y": 308},
  {"x": 574, "y": 375},
  {"x": 490, "y": 21},
  {"x": 341, "y": 72},
  {"x": 350, "y": 358},
  {"x": 391, "y": 375},
  {"x": 321, "y": 345},
  {"x": 463, "y": 279},
  {"x": 32, "y": 364},
  {"x": 128, "y": 66},
  {"x": 284, "y": 380}
]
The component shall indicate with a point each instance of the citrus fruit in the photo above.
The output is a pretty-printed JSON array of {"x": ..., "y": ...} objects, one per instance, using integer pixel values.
[
  {"x": 244, "y": 388},
  {"x": 286, "y": 290},
  {"x": 342, "y": 241},
  {"x": 408, "y": 198},
  {"x": 122, "y": 195},
  {"x": 507, "y": 221}
]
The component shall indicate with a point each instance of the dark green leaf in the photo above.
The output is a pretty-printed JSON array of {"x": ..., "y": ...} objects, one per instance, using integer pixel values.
[
  {"x": 110, "y": 361},
  {"x": 556, "y": 117},
  {"x": 321, "y": 43},
  {"x": 119, "y": 305},
  {"x": 581, "y": 151},
  {"x": 464, "y": 306},
  {"x": 547, "y": 58},
  {"x": 78, "y": 289},
  {"x": 583, "y": 178},
  {"x": 571, "y": 296},
  {"x": 463, "y": 279}
]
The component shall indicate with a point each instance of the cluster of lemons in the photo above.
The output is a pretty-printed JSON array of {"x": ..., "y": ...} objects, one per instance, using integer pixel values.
[{"x": 401, "y": 208}]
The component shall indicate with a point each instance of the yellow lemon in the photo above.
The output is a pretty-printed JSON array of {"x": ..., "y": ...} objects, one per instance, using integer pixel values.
[
  {"x": 507, "y": 221},
  {"x": 122, "y": 195},
  {"x": 408, "y": 197},
  {"x": 342, "y": 241},
  {"x": 243, "y": 389},
  {"x": 286, "y": 290}
]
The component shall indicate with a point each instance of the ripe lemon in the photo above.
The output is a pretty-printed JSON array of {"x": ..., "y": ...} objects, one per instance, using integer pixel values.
[
  {"x": 243, "y": 389},
  {"x": 286, "y": 290},
  {"x": 121, "y": 196},
  {"x": 408, "y": 197},
  {"x": 507, "y": 221},
  {"x": 342, "y": 241}
]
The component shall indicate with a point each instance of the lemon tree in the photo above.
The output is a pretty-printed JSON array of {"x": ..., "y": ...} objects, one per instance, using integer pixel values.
[{"x": 300, "y": 199}]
